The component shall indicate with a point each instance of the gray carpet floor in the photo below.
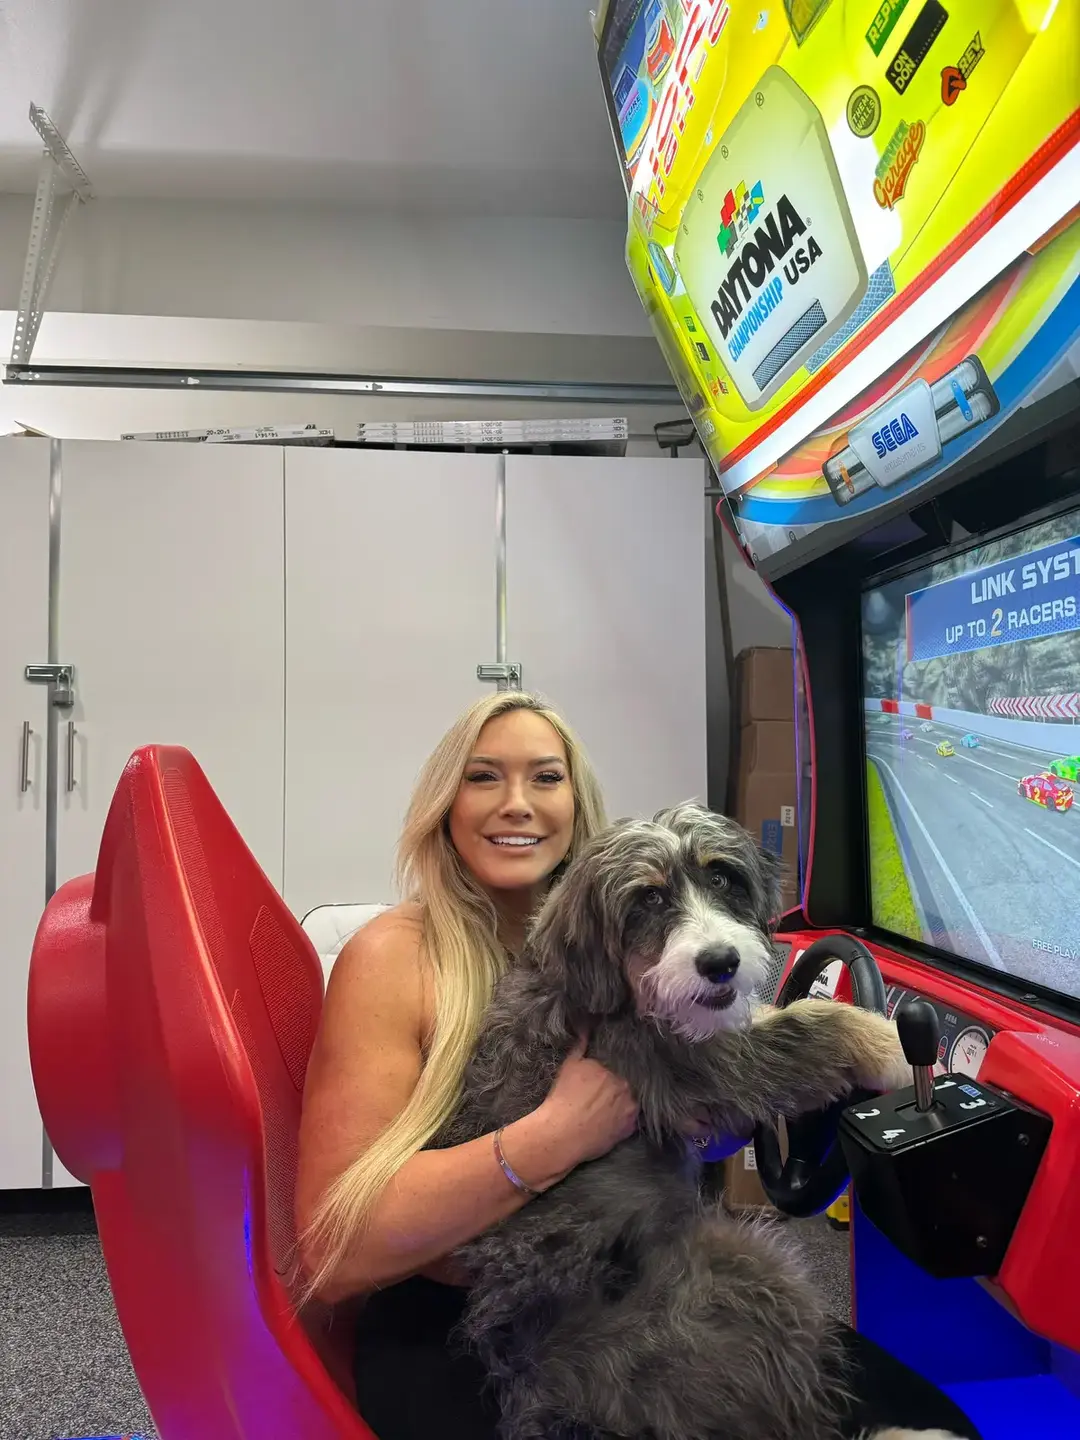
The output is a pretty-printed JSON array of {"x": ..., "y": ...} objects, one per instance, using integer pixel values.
[
  {"x": 64, "y": 1367},
  {"x": 63, "y": 1359}
]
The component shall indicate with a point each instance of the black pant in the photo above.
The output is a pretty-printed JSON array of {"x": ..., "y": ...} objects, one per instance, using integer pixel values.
[
  {"x": 412, "y": 1383},
  {"x": 888, "y": 1393}
]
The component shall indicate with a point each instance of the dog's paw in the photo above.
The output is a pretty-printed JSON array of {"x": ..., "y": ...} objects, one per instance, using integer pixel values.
[
  {"x": 894, "y": 1073},
  {"x": 880, "y": 1064}
]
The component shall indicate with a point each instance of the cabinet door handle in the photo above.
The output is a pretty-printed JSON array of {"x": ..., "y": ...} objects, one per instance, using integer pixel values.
[
  {"x": 72, "y": 732},
  {"x": 24, "y": 783}
]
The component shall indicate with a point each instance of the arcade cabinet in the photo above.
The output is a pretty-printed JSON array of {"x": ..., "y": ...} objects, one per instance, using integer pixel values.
[
  {"x": 856, "y": 235},
  {"x": 939, "y": 663}
]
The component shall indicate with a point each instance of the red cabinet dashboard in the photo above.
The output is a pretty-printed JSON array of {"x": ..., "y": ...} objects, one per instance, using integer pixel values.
[{"x": 1034, "y": 1057}]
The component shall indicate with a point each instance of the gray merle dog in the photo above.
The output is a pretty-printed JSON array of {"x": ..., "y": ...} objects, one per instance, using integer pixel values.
[{"x": 619, "y": 1302}]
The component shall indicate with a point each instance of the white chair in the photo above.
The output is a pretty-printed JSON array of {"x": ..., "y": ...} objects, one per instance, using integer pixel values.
[{"x": 328, "y": 927}]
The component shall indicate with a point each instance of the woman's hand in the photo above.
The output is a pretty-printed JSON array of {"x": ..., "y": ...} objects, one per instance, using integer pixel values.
[
  {"x": 719, "y": 1146},
  {"x": 588, "y": 1109},
  {"x": 701, "y": 1128}
]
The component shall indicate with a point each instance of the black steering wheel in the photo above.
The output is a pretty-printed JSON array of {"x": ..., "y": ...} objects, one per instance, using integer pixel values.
[{"x": 815, "y": 1171}]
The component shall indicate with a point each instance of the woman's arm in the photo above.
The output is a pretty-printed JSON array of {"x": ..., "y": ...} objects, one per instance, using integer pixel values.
[{"x": 364, "y": 1067}]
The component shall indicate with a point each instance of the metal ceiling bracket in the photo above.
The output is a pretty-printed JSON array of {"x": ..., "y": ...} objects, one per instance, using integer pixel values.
[{"x": 51, "y": 215}]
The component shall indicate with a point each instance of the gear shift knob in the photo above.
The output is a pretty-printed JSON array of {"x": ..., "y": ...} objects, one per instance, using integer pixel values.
[{"x": 917, "y": 1024}]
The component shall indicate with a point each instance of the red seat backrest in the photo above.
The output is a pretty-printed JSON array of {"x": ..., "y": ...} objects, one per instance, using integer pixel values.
[{"x": 172, "y": 1007}]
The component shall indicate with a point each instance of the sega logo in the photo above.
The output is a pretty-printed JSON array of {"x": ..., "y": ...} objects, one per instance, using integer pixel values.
[{"x": 891, "y": 436}]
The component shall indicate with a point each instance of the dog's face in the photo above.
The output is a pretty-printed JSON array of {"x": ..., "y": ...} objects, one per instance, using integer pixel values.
[{"x": 670, "y": 914}]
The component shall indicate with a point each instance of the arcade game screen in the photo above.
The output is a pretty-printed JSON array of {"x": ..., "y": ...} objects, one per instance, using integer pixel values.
[{"x": 971, "y": 679}]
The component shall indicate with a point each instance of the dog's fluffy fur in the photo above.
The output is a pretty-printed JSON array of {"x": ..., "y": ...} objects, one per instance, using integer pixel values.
[{"x": 618, "y": 1303}]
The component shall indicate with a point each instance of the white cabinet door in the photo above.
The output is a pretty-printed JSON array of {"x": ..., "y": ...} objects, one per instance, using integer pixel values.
[
  {"x": 172, "y": 606},
  {"x": 390, "y": 564},
  {"x": 606, "y": 614},
  {"x": 24, "y": 639}
]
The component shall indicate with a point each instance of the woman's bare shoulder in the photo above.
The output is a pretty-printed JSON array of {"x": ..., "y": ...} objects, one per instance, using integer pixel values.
[
  {"x": 369, "y": 1050},
  {"x": 386, "y": 948},
  {"x": 375, "y": 996}
]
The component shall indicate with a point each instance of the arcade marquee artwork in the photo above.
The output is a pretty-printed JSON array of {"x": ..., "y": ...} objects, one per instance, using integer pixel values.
[{"x": 826, "y": 193}]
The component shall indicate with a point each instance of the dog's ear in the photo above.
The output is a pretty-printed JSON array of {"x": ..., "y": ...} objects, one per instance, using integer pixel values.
[
  {"x": 574, "y": 943},
  {"x": 772, "y": 880}
]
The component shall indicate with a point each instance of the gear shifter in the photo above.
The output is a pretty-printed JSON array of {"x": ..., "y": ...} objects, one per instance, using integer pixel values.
[
  {"x": 944, "y": 1174},
  {"x": 917, "y": 1024}
]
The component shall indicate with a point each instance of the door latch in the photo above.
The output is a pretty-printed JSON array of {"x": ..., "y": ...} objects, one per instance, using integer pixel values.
[
  {"x": 61, "y": 679},
  {"x": 504, "y": 676}
]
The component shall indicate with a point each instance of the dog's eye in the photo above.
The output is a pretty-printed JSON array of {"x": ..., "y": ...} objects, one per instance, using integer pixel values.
[
  {"x": 654, "y": 898},
  {"x": 722, "y": 877}
]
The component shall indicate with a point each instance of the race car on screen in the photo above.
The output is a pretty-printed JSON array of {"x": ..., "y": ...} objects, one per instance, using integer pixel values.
[
  {"x": 925, "y": 727},
  {"x": 1046, "y": 790},
  {"x": 970, "y": 742},
  {"x": 907, "y": 734},
  {"x": 945, "y": 748},
  {"x": 1067, "y": 768}
]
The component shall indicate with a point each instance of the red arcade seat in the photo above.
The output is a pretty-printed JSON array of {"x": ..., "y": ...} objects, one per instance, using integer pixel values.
[{"x": 173, "y": 1004}]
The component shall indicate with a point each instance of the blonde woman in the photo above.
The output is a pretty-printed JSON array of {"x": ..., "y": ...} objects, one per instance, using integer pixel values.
[
  {"x": 504, "y": 801},
  {"x": 500, "y": 806}
]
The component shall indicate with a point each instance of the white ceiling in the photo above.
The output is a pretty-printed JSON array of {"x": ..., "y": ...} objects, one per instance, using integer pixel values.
[{"x": 448, "y": 106}]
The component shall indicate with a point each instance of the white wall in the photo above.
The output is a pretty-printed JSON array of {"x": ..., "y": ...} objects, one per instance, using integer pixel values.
[
  {"x": 334, "y": 267},
  {"x": 717, "y": 691},
  {"x": 166, "y": 283},
  {"x": 756, "y": 619},
  {"x": 175, "y": 283}
]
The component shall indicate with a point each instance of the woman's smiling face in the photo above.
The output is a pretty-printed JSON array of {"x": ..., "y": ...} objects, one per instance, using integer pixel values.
[{"x": 512, "y": 820}]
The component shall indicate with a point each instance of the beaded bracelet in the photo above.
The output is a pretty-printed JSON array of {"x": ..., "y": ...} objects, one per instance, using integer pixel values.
[{"x": 504, "y": 1166}]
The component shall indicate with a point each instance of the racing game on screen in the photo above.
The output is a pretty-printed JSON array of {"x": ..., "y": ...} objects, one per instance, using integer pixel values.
[{"x": 971, "y": 679}]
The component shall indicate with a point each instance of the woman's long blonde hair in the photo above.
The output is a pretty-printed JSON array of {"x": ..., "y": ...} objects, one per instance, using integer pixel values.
[{"x": 460, "y": 944}]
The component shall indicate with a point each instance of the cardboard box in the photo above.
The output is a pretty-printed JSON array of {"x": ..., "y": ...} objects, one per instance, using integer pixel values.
[
  {"x": 767, "y": 745},
  {"x": 765, "y": 684},
  {"x": 766, "y": 804},
  {"x": 742, "y": 1188}
]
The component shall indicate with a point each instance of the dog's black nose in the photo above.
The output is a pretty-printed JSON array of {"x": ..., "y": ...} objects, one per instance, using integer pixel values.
[{"x": 718, "y": 966}]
